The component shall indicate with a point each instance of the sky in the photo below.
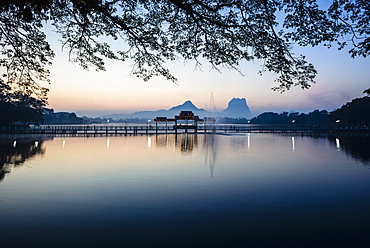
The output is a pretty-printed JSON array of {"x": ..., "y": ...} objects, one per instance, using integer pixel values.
[{"x": 114, "y": 91}]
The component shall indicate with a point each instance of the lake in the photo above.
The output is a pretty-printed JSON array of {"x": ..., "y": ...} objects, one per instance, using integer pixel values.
[{"x": 186, "y": 190}]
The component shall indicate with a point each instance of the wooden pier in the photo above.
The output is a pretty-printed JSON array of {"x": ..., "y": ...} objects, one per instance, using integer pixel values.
[{"x": 96, "y": 130}]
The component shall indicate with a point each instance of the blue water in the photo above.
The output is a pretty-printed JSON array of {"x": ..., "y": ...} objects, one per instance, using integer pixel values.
[{"x": 258, "y": 190}]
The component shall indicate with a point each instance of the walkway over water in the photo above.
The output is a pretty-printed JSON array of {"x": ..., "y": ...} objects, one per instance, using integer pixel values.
[{"x": 87, "y": 130}]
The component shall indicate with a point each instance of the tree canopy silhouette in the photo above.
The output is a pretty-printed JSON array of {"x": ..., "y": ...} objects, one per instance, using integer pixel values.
[
  {"x": 356, "y": 112},
  {"x": 367, "y": 92},
  {"x": 152, "y": 32},
  {"x": 19, "y": 107},
  {"x": 316, "y": 117}
]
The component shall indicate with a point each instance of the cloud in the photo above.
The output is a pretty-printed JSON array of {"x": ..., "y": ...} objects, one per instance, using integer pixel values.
[{"x": 329, "y": 97}]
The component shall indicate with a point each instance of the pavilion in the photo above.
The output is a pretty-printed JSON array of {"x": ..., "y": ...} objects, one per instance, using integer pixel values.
[{"x": 185, "y": 120}]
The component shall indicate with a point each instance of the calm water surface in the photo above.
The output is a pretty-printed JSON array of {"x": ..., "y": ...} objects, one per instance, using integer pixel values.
[{"x": 185, "y": 191}]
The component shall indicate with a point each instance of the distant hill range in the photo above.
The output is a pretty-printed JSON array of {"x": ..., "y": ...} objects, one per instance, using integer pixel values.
[{"x": 237, "y": 108}]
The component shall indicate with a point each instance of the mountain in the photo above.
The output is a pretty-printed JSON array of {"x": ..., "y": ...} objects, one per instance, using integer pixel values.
[
  {"x": 170, "y": 113},
  {"x": 186, "y": 106},
  {"x": 237, "y": 108}
]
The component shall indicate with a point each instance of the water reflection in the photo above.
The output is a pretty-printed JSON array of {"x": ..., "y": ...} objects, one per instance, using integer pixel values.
[
  {"x": 185, "y": 143},
  {"x": 210, "y": 150},
  {"x": 355, "y": 146},
  {"x": 337, "y": 143},
  {"x": 261, "y": 194},
  {"x": 188, "y": 143},
  {"x": 239, "y": 142},
  {"x": 161, "y": 140},
  {"x": 108, "y": 143},
  {"x": 149, "y": 142},
  {"x": 15, "y": 152}
]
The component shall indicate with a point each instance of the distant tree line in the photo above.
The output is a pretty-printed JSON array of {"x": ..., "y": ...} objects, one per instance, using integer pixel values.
[
  {"x": 60, "y": 118},
  {"x": 354, "y": 113},
  {"x": 66, "y": 118},
  {"x": 317, "y": 117},
  {"x": 104, "y": 120},
  {"x": 229, "y": 120}
]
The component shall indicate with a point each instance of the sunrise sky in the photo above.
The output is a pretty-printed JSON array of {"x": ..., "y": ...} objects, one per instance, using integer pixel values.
[{"x": 91, "y": 93}]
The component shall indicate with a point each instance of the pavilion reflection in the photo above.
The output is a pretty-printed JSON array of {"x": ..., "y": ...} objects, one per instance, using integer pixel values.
[
  {"x": 188, "y": 143},
  {"x": 15, "y": 152}
]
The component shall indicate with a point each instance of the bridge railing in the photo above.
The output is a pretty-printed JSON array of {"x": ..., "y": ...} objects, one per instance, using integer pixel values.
[{"x": 57, "y": 129}]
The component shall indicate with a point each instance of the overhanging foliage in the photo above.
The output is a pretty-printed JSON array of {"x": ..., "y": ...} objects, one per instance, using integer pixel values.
[{"x": 223, "y": 32}]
